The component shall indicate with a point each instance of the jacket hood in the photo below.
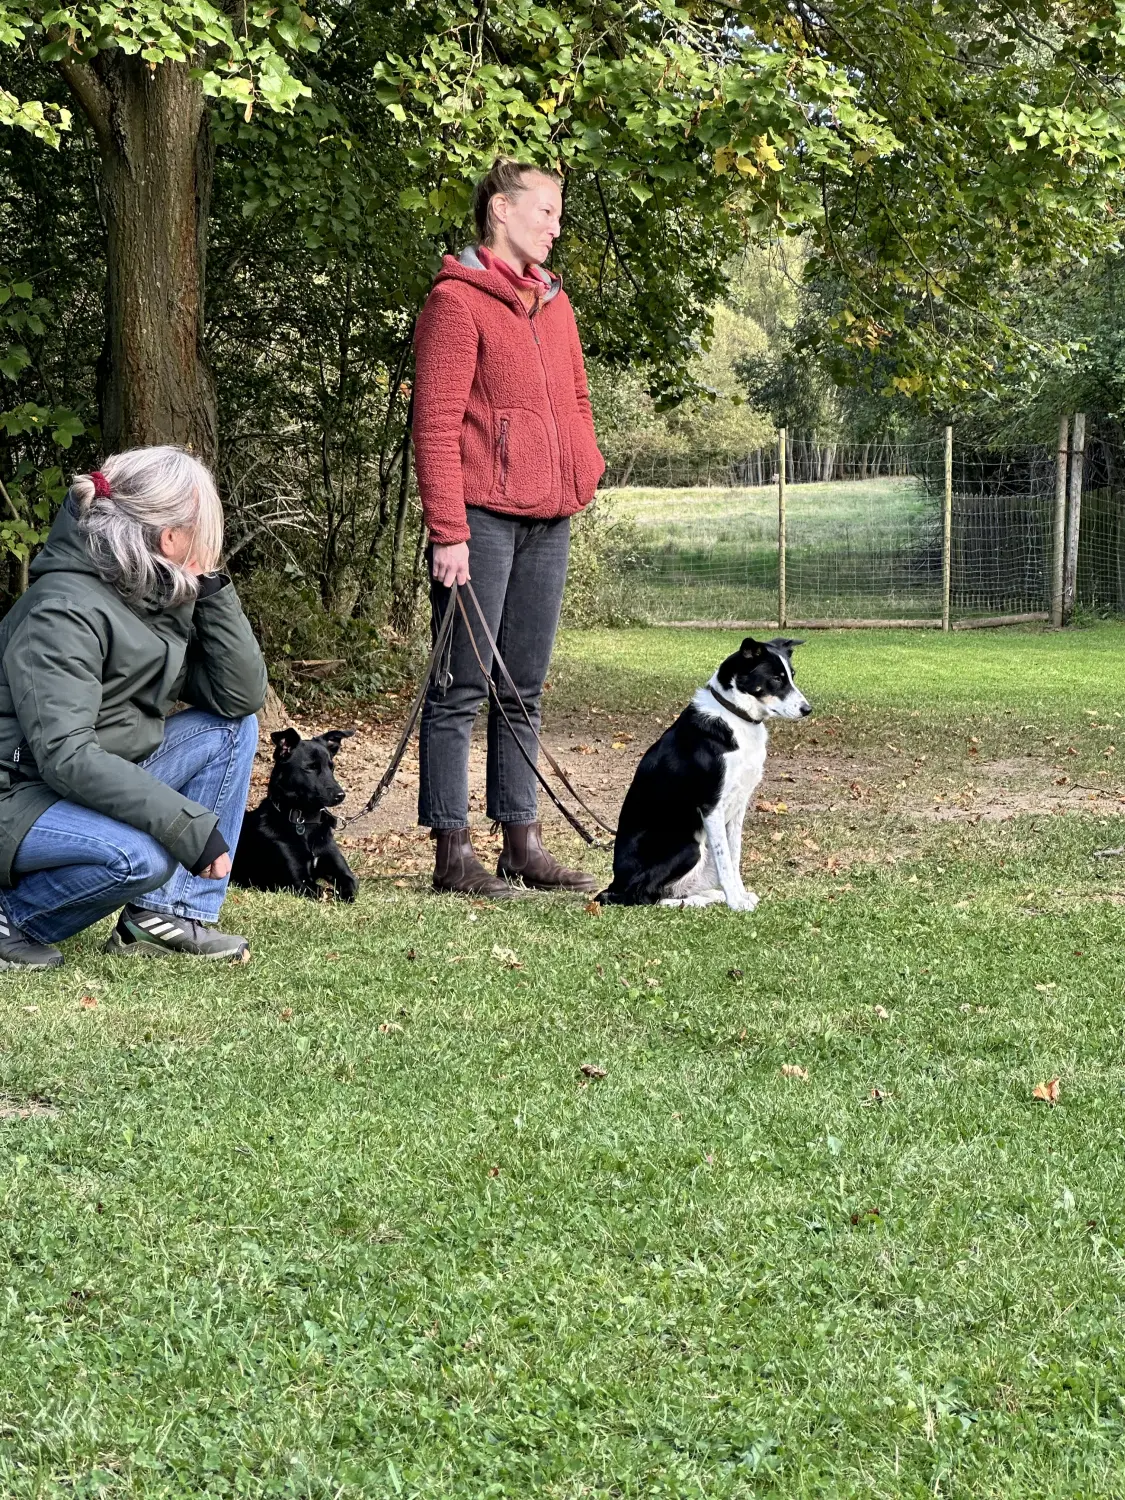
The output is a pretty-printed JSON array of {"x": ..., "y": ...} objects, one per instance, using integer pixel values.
[
  {"x": 64, "y": 551},
  {"x": 469, "y": 267}
]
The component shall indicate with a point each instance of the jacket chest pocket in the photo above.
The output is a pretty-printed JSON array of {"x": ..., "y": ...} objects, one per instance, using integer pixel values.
[
  {"x": 142, "y": 672},
  {"x": 522, "y": 460}
]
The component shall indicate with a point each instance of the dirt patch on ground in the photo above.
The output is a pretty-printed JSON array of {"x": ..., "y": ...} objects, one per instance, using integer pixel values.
[
  {"x": 806, "y": 773},
  {"x": 27, "y": 1109}
]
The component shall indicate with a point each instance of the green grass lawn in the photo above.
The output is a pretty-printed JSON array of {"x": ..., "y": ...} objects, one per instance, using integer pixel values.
[
  {"x": 855, "y": 549},
  {"x": 352, "y": 1222}
]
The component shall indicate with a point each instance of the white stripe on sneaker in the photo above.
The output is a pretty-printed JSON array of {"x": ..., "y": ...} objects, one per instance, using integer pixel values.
[
  {"x": 150, "y": 923},
  {"x": 160, "y": 929}
]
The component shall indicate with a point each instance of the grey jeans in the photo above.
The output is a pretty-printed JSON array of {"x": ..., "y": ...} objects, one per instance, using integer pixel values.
[{"x": 518, "y": 569}]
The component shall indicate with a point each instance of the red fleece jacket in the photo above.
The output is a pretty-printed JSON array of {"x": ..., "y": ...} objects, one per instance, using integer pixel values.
[{"x": 501, "y": 407}]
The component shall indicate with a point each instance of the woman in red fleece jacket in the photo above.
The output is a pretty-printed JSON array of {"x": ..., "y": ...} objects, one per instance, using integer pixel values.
[{"x": 505, "y": 455}]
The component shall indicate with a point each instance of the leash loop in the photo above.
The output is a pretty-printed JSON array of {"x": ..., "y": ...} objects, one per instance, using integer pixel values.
[
  {"x": 441, "y": 636},
  {"x": 515, "y": 692},
  {"x": 438, "y": 671}
]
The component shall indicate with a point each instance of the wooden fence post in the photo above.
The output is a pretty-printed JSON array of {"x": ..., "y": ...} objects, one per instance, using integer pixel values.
[
  {"x": 781, "y": 607},
  {"x": 947, "y": 535},
  {"x": 1058, "y": 538},
  {"x": 1074, "y": 516}
]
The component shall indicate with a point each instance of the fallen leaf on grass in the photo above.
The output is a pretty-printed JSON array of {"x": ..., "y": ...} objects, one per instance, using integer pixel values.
[
  {"x": 243, "y": 957},
  {"x": 593, "y": 908},
  {"x": 794, "y": 1070},
  {"x": 878, "y": 1095},
  {"x": 386, "y": 1027},
  {"x": 1047, "y": 1093},
  {"x": 868, "y": 1216},
  {"x": 31, "y": 1009},
  {"x": 735, "y": 974},
  {"x": 506, "y": 957},
  {"x": 286, "y": 1014},
  {"x": 1043, "y": 988},
  {"x": 88, "y": 1002},
  {"x": 881, "y": 1013},
  {"x": 591, "y": 1070}
]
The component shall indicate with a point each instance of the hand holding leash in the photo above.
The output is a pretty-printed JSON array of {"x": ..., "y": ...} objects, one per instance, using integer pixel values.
[{"x": 451, "y": 563}]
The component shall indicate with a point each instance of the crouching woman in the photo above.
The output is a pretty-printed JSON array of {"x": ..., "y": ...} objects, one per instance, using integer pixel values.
[{"x": 106, "y": 802}]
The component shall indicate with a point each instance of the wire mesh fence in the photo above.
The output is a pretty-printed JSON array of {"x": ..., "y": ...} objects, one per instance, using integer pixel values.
[
  {"x": 1101, "y": 541},
  {"x": 864, "y": 535}
]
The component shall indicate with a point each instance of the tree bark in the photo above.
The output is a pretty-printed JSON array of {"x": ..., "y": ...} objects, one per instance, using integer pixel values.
[{"x": 157, "y": 164}]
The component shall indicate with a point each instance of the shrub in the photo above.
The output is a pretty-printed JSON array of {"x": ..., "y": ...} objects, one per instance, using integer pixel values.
[
  {"x": 296, "y": 632},
  {"x": 605, "y": 550}
]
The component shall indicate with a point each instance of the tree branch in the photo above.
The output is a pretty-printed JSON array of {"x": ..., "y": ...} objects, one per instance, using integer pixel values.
[
  {"x": 90, "y": 92},
  {"x": 618, "y": 256},
  {"x": 8, "y": 502}
]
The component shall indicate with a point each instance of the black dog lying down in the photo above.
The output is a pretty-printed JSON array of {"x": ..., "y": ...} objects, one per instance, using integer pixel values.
[{"x": 287, "y": 842}]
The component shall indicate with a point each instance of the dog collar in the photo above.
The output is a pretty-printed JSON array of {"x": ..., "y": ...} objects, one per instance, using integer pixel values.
[
  {"x": 731, "y": 708},
  {"x": 295, "y": 816}
]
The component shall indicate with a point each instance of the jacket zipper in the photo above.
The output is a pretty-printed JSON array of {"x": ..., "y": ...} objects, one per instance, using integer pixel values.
[
  {"x": 503, "y": 455},
  {"x": 550, "y": 403}
]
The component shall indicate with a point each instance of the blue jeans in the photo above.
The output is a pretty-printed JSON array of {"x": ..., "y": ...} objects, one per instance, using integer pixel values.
[{"x": 76, "y": 866}]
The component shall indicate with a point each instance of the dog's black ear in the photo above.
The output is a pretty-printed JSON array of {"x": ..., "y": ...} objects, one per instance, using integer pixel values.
[
  {"x": 785, "y": 644},
  {"x": 333, "y": 737},
  {"x": 752, "y": 648},
  {"x": 285, "y": 742}
]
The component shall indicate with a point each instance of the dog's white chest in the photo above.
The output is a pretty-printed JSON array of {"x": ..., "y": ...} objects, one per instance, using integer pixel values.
[{"x": 742, "y": 770}]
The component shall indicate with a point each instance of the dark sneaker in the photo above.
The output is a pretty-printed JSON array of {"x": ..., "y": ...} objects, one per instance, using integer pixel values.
[
  {"x": 18, "y": 951},
  {"x": 156, "y": 934}
]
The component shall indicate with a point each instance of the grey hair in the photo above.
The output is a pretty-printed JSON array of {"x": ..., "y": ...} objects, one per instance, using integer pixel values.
[{"x": 151, "y": 489}]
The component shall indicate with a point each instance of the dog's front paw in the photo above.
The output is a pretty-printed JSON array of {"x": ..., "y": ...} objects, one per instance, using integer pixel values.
[
  {"x": 347, "y": 888},
  {"x": 746, "y": 902}
]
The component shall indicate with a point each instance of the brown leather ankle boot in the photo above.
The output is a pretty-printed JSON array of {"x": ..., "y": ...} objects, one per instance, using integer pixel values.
[
  {"x": 457, "y": 868},
  {"x": 524, "y": 858}
]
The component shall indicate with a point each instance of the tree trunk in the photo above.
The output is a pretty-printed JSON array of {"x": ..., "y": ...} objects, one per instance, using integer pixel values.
[{"x": 157, "y": 163}]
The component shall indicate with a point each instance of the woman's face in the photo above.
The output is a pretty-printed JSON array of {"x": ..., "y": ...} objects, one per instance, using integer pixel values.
[{"x": 529, "y": 220}]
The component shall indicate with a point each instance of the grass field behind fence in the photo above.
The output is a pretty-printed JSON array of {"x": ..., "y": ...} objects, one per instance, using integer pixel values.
[
  {"x": 863, "y": 549},
  {"x": 352, "y": 1222}
]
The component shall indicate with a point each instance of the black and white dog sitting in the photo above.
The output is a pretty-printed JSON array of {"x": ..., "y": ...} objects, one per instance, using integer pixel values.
[
  {"x": 679, "y": 836},
  {"x": 288, "y": 841}
]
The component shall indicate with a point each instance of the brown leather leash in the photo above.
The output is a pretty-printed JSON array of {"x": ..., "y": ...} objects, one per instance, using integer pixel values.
[
  {"x": 551, "y": 761},
  {"x": 441, "y": 638},
  {"x": 441, "y": 642}
]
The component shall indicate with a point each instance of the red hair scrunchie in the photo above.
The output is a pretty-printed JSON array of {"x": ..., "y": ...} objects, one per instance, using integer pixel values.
[{"x": 101, "y": 485}]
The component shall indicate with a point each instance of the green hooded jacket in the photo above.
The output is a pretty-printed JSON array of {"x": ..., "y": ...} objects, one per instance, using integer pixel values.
[{"x": 86, "y": 683}]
